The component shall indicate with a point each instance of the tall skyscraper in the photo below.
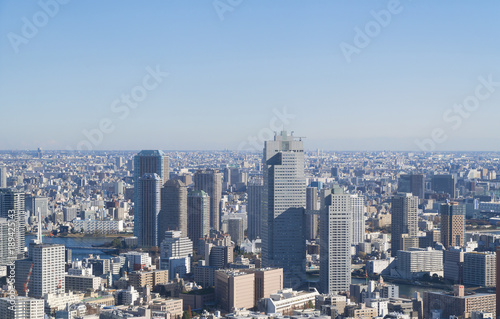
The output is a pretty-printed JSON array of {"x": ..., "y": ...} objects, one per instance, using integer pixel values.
[
  {"x": 210, "y": 181},
  {"x": 312, "y": 219},
  {"x": 283, "y": 224},
  {"x": 148, "y": 161},
  {"x": 150, "y": 201},
  {"x": 46, "y": 262},
  {"x": 173, "y": 214},
  {"x": 358, "y": 219},
  {"x": 404, "y": 219},
  {"x": 12, "y": 208},
  {"x": 452, "y": 224},
  {"x": 254, "y": 210},
  {"x": 443, "y": 184},
  {"x": 3, "y": 177},
  {"x": 198, "y": 216},
  {"x": 412, "y": 183},
  {"x": 335, "y": 241}
]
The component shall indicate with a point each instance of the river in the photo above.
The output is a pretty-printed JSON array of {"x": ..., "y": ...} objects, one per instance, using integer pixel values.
[
  {"x": 78, "y": 245},
  {"x": 405, "y": 290},
  {"x": 80, "y": 253}
]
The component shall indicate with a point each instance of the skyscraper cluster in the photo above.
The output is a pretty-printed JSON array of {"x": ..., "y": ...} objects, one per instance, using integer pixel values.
[{"x": 162, "y": 205}]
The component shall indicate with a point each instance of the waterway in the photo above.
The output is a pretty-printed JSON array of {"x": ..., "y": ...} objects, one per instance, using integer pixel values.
[
  {"x": 79, "y": 245},
  {"x": 405, "y": 290}
]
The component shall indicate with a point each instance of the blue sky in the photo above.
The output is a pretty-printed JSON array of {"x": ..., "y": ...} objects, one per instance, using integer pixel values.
[{"x": 228, "y": 77}]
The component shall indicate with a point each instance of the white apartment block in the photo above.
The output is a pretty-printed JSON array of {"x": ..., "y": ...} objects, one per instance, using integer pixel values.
[
  {"x": 21, "y": 308},
  {"x": 98, "y": 226}
]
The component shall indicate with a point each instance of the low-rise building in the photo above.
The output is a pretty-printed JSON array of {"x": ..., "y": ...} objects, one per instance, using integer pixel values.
[
  {"x": 170, "y": 306},
  {"x": 287, "y": 300},
  {"x": 141, "y": 278},
  {"x": 82, "y": 283},
  {"x": 458, "y": 303}
]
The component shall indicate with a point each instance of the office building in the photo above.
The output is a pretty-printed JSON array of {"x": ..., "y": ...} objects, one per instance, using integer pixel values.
[
  {"x": 168, "y": 308},
  {"x": 204, "y": 275},
  {"x": 20, "y": 307},
  {"x": 146, "y": 162},
  {"x": 139, "y": 279},
  {"x": 312, "y": 219},
  {"x": 234, "y": 289},
  {"x": 358, "y": 219},
  {"x": 335, "y": 241},
  {"x": 456, "y": 304},
  {"x": 210, "y": 181},
  {"x": 267, "y": 281},
  {"x": 221, "y": 256},
  {"x": 70, "y": 213},
  {"x": 176, "y": 252},
  {"x": 404, "y": 220},
  {"x": 82, "y": 283},
  {"x": 452, "y": 224},
  {"x": 284, "y": 198},
  {"x": 443, "y": 184},
  {"x": 453, "y": 263},
  {"x": 135, "y": 260},
  {"x": 480, "y": 269},
  {"x": 416, "y": 262},
  {"x": 254, "y": 208},
  {"x": 198, "y": 216},
  {"x": 46, "y": 263},
  {"x": 33, "y": 203},
  {"x": 150, "y": 202},
  {"x": 412, "y": 183},
  {"x": 236, "y": 229},
  {"x": 12, "y": 208},
  {"x": 173, "y": 213}
]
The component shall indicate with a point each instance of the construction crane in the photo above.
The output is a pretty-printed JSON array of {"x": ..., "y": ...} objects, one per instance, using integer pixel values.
[{"x": 25, "y": 285}]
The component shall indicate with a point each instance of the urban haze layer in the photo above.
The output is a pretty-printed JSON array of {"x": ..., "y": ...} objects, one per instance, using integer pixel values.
[{"x": 278, "y": 233}]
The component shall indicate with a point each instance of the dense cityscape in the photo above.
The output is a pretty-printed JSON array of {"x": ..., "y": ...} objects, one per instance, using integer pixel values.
[
  {"x": 236, "y": 159},
  {"x": 285, "y": 233}
]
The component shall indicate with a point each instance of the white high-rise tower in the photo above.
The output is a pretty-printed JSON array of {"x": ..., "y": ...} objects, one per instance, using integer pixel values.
[{"x": 335, "y": 241}]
